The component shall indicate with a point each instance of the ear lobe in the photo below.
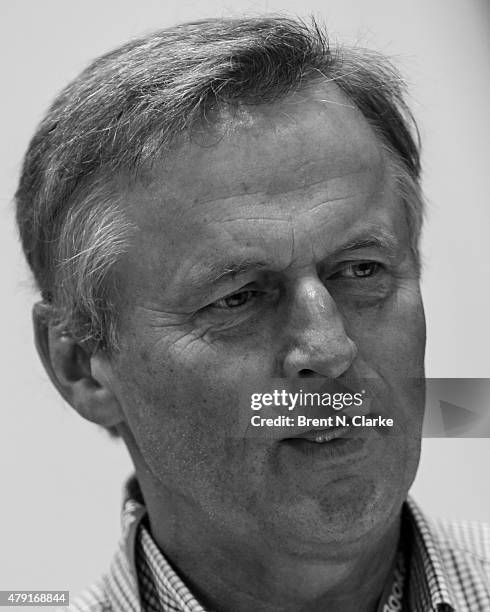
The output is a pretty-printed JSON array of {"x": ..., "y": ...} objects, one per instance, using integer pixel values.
[{"x": 82, "y": 379}]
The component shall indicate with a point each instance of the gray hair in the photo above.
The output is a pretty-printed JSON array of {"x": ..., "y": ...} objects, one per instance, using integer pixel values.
[{"x": 131, "y": 106}]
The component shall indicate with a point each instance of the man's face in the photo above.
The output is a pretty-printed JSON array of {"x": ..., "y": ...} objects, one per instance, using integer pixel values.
[{"x": 274, "y": 247}]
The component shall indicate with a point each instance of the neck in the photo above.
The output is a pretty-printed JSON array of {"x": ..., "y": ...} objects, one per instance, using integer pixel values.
[{"x": 227, "y": 574}]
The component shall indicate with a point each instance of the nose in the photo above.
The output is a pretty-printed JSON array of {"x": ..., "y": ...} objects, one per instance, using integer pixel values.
[{"x": 316, "y": 339}]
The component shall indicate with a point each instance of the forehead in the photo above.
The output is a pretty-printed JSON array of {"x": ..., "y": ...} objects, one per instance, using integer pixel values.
[
  {"x": 310, "y": 159},
  {"x": 303, "y": 139}
]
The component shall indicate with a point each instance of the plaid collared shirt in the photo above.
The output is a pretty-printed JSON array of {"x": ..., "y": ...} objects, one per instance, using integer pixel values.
[{"x": 447, "y": 568}]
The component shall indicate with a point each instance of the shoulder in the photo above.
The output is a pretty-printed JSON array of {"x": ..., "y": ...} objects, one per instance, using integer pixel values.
[
  {"x": 451, "y": 558},
  {"x": 93, "y": 599},
  {"x": 464, "y": 551},
  {"x": 464, "y": 545}
]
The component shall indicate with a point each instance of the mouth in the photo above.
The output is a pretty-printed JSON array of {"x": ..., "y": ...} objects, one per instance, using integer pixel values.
[
  {"x": 335, "y": 443},
  {"x": 323, "y": 436}
]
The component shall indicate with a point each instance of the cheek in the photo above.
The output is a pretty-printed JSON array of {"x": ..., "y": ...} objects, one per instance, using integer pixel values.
[
  {"x": 183, "y": 410},
  {"x": 392, "y": 347},
  {"x": 189, "y": 392},
  {"x": 391, "y": 338}
]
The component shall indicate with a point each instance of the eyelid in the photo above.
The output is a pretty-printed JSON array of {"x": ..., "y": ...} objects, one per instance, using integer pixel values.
[
  {"x": 225, "y": 297},
  {"x": 248, "y": 287},
  {"x": 357, "y": 262}
]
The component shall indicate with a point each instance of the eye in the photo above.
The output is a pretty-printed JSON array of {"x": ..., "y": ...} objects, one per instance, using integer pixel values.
[
  {"x": 363, "y": 269},
  {"x": 236, "y": 300}
]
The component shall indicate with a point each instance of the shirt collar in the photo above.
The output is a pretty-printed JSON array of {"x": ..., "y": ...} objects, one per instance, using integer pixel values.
[
  {"x": 141, "y": 573},
  {"x": 429, "y": 587}
]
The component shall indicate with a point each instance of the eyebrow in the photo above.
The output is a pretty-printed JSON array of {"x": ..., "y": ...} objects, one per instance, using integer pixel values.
[
  {"x": 219, "y": 272},
  {"x": 377, "y": 239}
]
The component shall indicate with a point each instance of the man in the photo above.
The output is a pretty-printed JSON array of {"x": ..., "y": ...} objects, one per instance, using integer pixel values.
[{"x": 207, "y": 210}]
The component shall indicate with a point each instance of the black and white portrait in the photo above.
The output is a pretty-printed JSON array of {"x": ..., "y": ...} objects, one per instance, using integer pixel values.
[{"x": 245, "y": 316}]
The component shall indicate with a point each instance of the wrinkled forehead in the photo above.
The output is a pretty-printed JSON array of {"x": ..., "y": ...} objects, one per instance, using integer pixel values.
[
  {"x": 302, "y": 175},
  {"x": 302, "y": 140}
]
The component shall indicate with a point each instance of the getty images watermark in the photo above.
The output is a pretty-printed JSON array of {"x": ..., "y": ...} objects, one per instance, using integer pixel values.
[
  {"x": 448, "y": 407},
  {"x": 301, "y": 400}
]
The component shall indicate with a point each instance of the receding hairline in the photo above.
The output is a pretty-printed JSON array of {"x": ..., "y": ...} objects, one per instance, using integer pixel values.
[
  {"x": 231, "y": 121},
  {"x": 129, "y": 104},
  {"x": 384, "y": 170}
]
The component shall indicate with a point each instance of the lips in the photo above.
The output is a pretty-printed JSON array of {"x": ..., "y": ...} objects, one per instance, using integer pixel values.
[
  {"x": 324, "y": 446},
  {"x": 322, "y": 436},
  {"x": 326, "y": 435}
]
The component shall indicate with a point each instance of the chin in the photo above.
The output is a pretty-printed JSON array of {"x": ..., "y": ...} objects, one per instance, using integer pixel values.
[{"x": 342, "y": 518}]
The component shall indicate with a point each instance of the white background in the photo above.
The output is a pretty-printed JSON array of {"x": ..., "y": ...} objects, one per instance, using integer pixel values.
[{"x": 61, "y": 477}]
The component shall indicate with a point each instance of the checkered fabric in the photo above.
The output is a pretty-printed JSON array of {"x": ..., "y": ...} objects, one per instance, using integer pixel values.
[{"x": 447, "y": 567}]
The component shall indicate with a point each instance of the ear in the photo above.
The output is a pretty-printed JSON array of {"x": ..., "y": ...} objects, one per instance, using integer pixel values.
[{"x": 84, "y": 380}]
